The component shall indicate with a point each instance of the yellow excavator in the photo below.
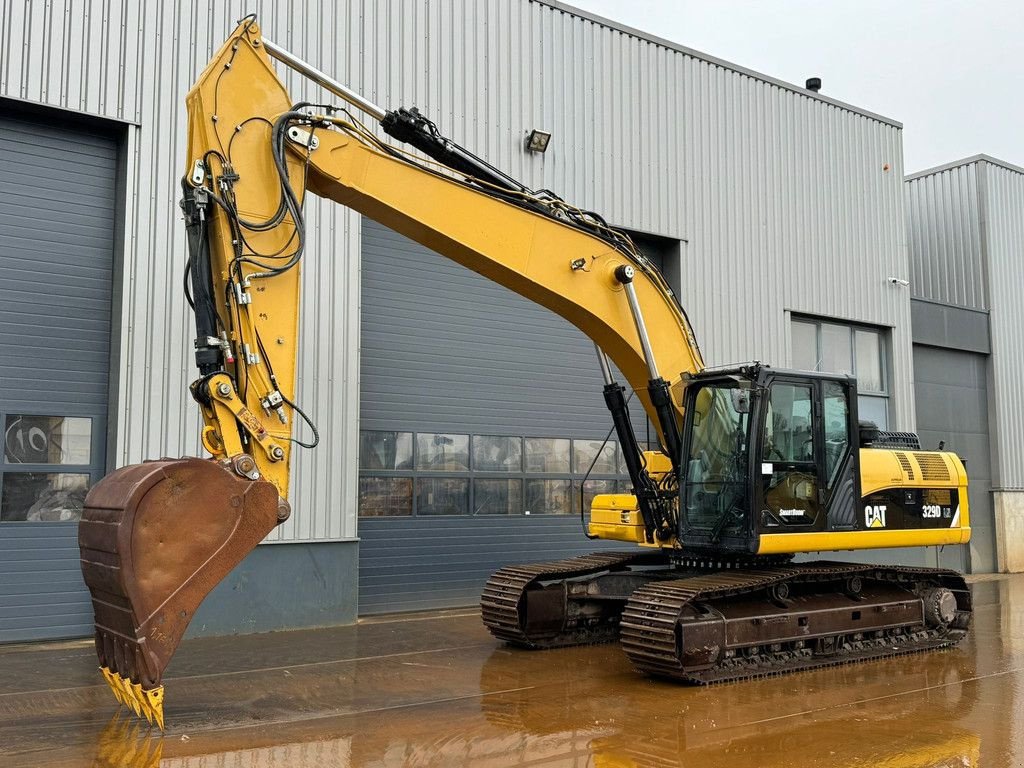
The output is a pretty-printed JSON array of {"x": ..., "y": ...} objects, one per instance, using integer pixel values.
[{"x": 755, "y": 464}]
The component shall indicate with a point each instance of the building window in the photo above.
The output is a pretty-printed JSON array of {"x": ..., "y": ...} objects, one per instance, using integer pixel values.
[
  {"x": 46, "y": 468},
  {"x": 497, "y": 497},
  {"x": 548, "y": 455},
  {"x": 442, "y": 496},
  {"x": 831, "y": 347},
  {"x": 442, "y": 452},
  {"x": 596, "y": 454},
  {"x": 385, "y": 450},
  {"x": 385, "y": 496},
  {"x": 548, "y": 497},
  {"x": 404, "y": 474},
  {"x": 497, "y": 453}
]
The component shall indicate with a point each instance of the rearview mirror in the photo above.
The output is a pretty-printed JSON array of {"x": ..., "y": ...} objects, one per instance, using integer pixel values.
[{"x": 740, "y": 400}]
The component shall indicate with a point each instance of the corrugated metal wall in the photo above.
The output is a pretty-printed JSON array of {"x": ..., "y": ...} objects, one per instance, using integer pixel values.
[
  {"x": 794, "y": 204},
  {"x": 445, "y": 349},
  {"x": 1003, "y": 210},
  {"x": 944, "y": 237},
  {"x": 965, "y": 225},
  {"x": 787, "y": 202}
]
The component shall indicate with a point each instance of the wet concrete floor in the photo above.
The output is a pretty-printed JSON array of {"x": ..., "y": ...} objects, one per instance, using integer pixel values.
[{"x": 437, "y": 690}]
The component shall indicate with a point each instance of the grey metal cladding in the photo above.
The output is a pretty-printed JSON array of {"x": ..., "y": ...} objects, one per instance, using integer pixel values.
[
  {"x": 944, "y": 325},
  {"x": 42, "y": 594},
  {"x": 944, "y": 237},
  {"x": 56, "y": 246},
  {"x": 443, "y": 349},
  {"x": 965, "y": 224},
  {"x": 1003, "y": 210},
  {"x": 447, "y": 350}
]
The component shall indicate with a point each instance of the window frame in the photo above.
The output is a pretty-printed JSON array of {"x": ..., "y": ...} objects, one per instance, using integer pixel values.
[
  {"x": 884, "y": 336},
  {"x": 94, "y": 470},
  {"x": 793, "y": 384},
  {"x": 619, "y": 478}
]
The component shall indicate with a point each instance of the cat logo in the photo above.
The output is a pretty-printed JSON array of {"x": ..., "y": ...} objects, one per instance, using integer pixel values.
[{"x": 874, "y": 515}]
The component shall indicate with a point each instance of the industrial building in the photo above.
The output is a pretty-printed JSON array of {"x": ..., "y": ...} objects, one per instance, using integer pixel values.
[
  {"x": 458, "y": 420},
  {"x": 965, "y": 238}
]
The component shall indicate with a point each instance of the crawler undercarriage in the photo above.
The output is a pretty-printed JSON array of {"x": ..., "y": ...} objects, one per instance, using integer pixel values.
[{"x": 708, "y": 621}]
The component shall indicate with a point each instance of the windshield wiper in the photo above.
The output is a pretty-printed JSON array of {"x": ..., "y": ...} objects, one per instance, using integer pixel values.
[{"x": 723, "y": 520}]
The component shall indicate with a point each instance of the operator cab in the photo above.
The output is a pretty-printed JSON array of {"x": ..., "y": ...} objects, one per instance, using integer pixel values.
[{"x": 767, "y": 451}]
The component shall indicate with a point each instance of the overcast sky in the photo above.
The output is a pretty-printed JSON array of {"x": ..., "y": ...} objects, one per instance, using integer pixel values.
[{"x": 951, "y": 72}]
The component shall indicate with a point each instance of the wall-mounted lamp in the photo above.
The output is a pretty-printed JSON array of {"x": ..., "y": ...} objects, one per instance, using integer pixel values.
[{"x": 537, "y": 141}]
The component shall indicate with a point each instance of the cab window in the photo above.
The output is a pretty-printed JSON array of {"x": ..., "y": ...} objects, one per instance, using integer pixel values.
[
  {"x": 788, "y": 470},
  {"x": 837, "y": 428},
  {"x": 788, "y": 435}
]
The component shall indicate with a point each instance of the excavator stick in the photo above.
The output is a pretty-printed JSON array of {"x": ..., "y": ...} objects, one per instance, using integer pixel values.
[{"x": 155, "y": 538}]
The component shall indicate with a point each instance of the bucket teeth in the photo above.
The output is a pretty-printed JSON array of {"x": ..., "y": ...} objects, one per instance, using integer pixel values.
[
  {"x": 145, "y": 703},
  {"x": 155, "y": 702},
  {"x": 110, "y": 678},
  {"x": 129, "y": 694},
  {"x": 122, "y": 687}
]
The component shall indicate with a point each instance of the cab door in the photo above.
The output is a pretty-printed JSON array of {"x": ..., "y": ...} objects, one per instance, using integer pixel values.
[
  {"x": 809, "y": 469},
  {"x": 841, "y": 453},
  {"x": 791, "y": 461}
]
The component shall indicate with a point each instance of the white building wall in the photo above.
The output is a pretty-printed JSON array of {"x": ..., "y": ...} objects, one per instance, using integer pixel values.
[{"x": 786, "y": 201}]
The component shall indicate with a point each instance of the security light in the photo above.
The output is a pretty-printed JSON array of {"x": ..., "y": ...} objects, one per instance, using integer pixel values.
[{"x": 537, "y": 141}]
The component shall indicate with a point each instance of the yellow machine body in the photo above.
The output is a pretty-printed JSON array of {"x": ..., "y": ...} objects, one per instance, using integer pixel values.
[{"x": 616, "y": 517}]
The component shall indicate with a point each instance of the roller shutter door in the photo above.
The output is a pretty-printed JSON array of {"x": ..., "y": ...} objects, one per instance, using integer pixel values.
[
  {"x": 951, "y": 391},
  {"x": 56, "y": 253},
  {"x": 457, "y": 367}
]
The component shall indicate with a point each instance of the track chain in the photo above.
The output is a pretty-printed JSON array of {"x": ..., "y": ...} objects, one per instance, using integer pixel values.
[
  {"x": 502, "y": 602},
  {"x": 653, "y": 612}
]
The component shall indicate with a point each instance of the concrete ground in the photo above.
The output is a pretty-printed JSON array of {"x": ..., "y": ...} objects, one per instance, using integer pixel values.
[{"x": 437, "y": 690}]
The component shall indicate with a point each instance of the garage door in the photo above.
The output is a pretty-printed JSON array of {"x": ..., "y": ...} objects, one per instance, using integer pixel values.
[
  {"x": 480, "y": 415},
  {"x": 56, "y": 249},
  {"x": 952, "y": 406}
]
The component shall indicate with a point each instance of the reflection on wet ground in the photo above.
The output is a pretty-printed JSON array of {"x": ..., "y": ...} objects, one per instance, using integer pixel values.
[{"x": 438, "y": 691}]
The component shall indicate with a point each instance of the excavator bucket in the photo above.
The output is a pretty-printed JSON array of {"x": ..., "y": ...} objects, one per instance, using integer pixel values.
[{"x": 155, "y": 538}]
